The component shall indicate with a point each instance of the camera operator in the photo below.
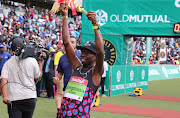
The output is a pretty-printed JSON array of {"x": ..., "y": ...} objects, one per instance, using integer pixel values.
[{"x": 17, "y": 83}]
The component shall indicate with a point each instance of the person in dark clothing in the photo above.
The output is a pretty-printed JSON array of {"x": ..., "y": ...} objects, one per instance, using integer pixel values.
[
  {"x": 38, "y": 84},
  {"x": 48, "y": 74}
]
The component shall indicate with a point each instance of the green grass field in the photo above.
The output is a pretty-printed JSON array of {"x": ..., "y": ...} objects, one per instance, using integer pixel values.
[{"x": 46, "y": 108}]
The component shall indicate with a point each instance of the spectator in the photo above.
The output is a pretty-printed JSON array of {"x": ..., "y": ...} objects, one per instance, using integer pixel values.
[
  {"x": 4, "y": 56},
  {"x": 49, "y": 73},
  {"x": 60, "y": 84},
  {"x": 64, "y": 69},
  {"x": 103, "y": 78},
  {"x": 21, "y": 101}
]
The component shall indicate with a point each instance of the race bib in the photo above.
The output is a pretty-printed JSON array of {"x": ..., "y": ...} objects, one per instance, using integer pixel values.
[{"x": 76, "y": 88}]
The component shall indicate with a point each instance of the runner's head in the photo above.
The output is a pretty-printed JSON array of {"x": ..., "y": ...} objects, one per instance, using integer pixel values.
[{"x": 88, "y": 55}]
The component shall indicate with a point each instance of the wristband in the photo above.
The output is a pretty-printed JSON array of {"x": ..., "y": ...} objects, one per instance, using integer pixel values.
[
  {"x": 65, "y": 17},
  {"x": 96, "y": 27}
]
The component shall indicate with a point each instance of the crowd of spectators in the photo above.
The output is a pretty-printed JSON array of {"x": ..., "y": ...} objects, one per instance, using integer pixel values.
[
  {"x": 172, "y": 51},
  {"x": 36, "y": 25},
  {"x": 45, "y": 28}
]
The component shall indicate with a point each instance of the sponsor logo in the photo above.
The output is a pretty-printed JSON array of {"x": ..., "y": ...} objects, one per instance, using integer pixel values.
[
  {"x": 143, "y": 83},
  {"x": 131, "y": 75},
  {"x": 172, "y": 71},
  {"x": 177, "y": 3},
  {"x": 153, "y": 72},
  {"x": 162, "y": 54},
  {"x": 162, "y": 45},
  {"x": 143, "y": 74},
  {"x": 78, "y": 80},
  {"x": 118, "y": 76},
  {"x": 131, "y": 85},
  {"x": 165, "y": 71},
  {"x": 102, "y": 17},
  {"x": 110, "y": 52},
  {"x": 139, "y": 18},
  {"x": 117, "y": 87}
]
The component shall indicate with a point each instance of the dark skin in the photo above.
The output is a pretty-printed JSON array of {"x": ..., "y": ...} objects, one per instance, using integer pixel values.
[{"x": 88, "y": 58}]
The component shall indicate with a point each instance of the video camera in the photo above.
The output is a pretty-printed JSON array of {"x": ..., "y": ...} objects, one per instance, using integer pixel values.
[{"x": 31, "y": 49}]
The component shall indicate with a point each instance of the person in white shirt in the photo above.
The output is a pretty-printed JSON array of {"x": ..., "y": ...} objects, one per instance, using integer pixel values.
[{"x": 17, "y": 83}]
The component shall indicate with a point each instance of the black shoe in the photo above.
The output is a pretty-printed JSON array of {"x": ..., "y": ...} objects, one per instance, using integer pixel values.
[
  {"x": 38, "y": 96},
  {"x": 51, "y": 97}
]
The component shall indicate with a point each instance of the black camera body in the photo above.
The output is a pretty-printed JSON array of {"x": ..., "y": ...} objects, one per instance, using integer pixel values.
[
  {"x": 31, "y": 49},
  {"x": 28, "y": 50}
]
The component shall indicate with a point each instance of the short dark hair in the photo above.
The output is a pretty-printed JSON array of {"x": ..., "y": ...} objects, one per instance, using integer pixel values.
[{"x": 71, "y": 36}]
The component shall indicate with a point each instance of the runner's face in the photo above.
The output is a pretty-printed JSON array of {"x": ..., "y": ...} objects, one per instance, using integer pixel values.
[{"x": 87, "y": 57}]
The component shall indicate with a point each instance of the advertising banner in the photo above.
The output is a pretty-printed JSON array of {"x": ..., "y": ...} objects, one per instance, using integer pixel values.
[
  {"x": 148, "y": 48},
  {"x": 158, "y": 72},
  {"x": 129, "y": 17},
  {"x": 133, "y": 17},
  {"x": 131, "y": 78},
  {"x": 118, "y": 80},
  {"x": 142, "y": 77},
  {"x": 162, "y": 55},
  {"x": 123, "y": 79}
]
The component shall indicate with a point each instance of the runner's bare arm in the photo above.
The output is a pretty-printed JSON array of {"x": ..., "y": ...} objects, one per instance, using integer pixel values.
[
  {"x": 98, "y": 70},
  {"x": 74, "y": 61}
]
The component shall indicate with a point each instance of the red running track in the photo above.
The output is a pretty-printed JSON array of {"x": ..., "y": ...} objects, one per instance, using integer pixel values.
[
  {"x": 159, "y": 97},
  {"x": 135, "y": 110}
]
